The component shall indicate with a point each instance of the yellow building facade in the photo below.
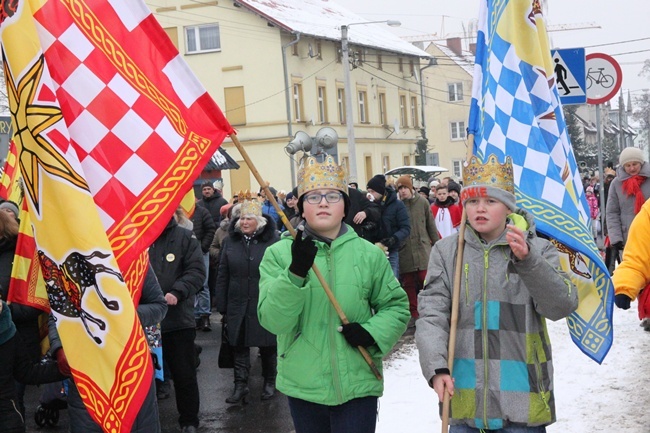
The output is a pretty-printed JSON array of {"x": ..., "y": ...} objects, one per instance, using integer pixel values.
[{"x": 272, "y": 81}]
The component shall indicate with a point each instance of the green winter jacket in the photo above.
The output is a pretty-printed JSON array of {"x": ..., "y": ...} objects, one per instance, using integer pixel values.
[{"x": 315, "y": 363}]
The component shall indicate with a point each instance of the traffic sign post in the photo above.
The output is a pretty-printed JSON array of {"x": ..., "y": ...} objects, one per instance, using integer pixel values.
[
  {"x": 604, "y": 78},
  {"x": 570, "y": 75}
]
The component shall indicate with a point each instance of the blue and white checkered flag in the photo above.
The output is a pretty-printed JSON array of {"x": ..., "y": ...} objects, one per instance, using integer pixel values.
[{"x": 516, "y": 112}]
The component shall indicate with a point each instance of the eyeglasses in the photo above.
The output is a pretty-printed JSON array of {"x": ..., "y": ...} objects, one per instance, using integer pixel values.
[{"x": 330, "y": 197}]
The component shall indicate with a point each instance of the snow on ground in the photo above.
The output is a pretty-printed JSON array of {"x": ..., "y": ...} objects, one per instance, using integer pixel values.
[{"x": 612, "y": 397}]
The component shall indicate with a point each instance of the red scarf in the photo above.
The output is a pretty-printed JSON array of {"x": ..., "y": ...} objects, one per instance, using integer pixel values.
[{"x": 632, "y": 186}]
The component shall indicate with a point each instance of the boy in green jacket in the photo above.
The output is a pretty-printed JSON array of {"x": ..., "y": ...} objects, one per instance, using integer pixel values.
[{"x": 331, "y": 389}]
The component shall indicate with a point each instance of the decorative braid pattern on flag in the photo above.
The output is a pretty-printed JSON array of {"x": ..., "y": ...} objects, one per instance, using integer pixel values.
[
  {"x": 112, "y": 128},
  {"x": 516, "y": 112}
]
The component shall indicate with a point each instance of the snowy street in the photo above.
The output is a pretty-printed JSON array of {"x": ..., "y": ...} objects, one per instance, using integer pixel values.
[{"x": 589, "y": 397}]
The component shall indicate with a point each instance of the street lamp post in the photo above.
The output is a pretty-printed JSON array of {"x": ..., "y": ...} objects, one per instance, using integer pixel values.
[{"x": 349, "y": 120}]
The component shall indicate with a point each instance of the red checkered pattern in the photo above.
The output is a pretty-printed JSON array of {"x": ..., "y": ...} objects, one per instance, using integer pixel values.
[{"x": 122, "y": 139}]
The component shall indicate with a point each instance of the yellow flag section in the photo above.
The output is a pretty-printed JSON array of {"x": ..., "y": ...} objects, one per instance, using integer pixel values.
[
  {"x": 95, "y": 315},
  {"x": 189, "y": 203},
  {"x": 97, "y": 322}
]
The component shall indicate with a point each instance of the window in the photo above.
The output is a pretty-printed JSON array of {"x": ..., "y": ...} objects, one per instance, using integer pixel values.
[
  {"x": 379, "y": 65},
  {"x": 414, "y": 111},
  {"x": 235, "y": 105},
  {"x": 322, "y": 105},
  {"x": 345, "y": 163},
  {"x": 456, "y": 168},
  {"x": 406, "y": 160},
  {"x": 400, "y": 64},
  {"x": 385, "y": 162},
  {"x": 457, "y": 130},
  {"x": 339, "y": 54},
  {"x": 297, "y": 102},
  {"x": 294, "y": 49},
  {"x": 340, "y": 101},
  {"x": 201, "y": 39},
  {"x": 402, "y": 111},
  {"x": 319, "y": 50},
  {"x": 382, "y": 109},
  {"x": 363, "y": 107},
  {"x": 411, "y": 68},
  {"x": 455, "y": 92}
]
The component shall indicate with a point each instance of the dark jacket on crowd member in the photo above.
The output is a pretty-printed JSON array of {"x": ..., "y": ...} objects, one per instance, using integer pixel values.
[
  {"x": 151, "y": 310},
  {"x": 204, "y": 227},
  {"x": 238, "y": 283},
  {"x": 177, "y": 260},
  {"x": 394, "y": 219},
  {"x": 213, "y": 204},
  {"x": 369, "y": 228},
  {"x": 24, "y": 317},
  {"x": 16, "y": 364}
]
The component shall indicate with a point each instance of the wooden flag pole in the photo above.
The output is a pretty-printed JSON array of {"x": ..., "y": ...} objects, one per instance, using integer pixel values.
[
  {"x": 455, "y": 298},
  {"x": 292, "y": 231}
]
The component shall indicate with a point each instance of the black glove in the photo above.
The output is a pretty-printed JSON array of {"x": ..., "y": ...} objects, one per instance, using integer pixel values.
[
  {"x": 622, "y": 301},
  {"x": 356, "y": 335},
  {"x": 618, "y": 245},
  {"x": 303, "y": 253},
  {"x": 389, "y": 242}
]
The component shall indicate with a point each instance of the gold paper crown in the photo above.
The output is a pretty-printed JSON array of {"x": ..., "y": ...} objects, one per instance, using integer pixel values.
[
  {"x": 249, "y": 205},
  {"x": 316, "y": 175},
  {"x": 492, "y": 173}
]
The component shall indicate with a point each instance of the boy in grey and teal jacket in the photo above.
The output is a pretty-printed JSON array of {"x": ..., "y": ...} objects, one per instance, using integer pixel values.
[{"x": 510, "y": 283}]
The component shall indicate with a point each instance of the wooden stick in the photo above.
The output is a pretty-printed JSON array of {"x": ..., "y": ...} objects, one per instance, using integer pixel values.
[
  {"x": 292, "y": 231},
  {"x": 455, "y": 299}
]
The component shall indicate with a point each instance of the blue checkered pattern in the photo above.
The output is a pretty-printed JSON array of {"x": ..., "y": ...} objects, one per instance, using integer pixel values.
[{"x": 516, "y": 112}]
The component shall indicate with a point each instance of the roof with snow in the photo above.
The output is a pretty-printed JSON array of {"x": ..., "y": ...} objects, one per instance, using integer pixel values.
[
  {"x": 465, "y": 61},
  {"x": 324, "y": 18}
]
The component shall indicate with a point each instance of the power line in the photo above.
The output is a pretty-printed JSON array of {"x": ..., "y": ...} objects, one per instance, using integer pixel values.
[{"x": 617, "y": 43}]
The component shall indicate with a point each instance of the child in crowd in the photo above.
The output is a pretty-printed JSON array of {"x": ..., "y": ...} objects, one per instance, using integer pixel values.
[
  {"x": 511, "y": 283},
  {"x": 446, "y": 212},
  {"x": 331, "y": 389}
]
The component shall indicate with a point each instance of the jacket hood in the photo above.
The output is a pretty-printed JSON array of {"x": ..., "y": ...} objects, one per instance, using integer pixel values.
[
  {"x": 389, "y": 197},
  {"x": 266, "y": 234}
]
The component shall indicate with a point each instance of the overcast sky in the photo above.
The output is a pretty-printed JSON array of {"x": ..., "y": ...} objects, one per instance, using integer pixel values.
[{"x": 621, "y": 20}]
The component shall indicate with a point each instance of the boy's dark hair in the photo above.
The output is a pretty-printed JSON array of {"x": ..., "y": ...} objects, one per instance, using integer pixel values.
[{"x": 441, "y": 187}]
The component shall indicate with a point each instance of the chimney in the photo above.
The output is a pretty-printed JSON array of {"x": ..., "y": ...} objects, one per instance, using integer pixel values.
[
  {"x": 454, "y": 44},
  {"x": 472, "y": 48}
]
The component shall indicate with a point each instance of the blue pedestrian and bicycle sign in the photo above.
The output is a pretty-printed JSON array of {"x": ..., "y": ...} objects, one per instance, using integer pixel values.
[{"x": 570, "y": 75}]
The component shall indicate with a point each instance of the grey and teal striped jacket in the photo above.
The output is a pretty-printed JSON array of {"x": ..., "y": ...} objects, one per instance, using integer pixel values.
[{"x": 503, "y": 367}]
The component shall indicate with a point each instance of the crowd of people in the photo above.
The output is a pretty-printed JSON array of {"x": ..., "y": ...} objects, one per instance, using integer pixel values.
[{"x": 387, "y": 257}]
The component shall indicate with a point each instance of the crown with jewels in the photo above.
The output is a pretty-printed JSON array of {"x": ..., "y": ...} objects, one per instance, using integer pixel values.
[
  {"x": 250, "y": 205},
  {"x": 491, "y": 173},
  {"x": 320, "y": 175}
]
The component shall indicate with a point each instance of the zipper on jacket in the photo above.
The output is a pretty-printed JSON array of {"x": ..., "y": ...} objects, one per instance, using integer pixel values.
[
  {"x": 540, "y": 379},
  {"x": 334, "y": 320},
  {"x": 466, "y": 284},
  {"x": 484, "y": 336}
]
